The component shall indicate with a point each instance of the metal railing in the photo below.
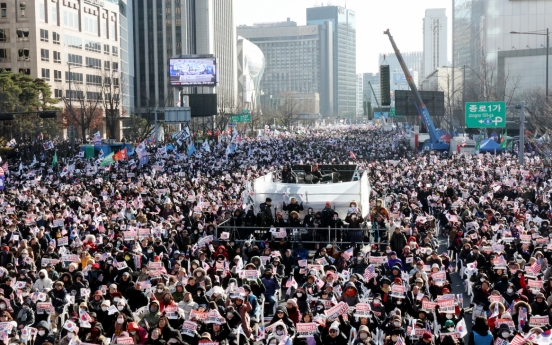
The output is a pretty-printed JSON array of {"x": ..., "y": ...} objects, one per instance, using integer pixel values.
[{"x": 364, "y": 235}]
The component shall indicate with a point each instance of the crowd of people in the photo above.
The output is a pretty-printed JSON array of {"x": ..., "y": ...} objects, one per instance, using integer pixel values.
[{"x": 131, "y": 253}]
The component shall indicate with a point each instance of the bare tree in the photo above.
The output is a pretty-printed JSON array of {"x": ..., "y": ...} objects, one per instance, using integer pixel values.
[
  {"x": 83, "y": 106},
  {"x": 113, "y": 87},
  {"x": 290, "y": 109},
  {"x": 227, "y": 106}
]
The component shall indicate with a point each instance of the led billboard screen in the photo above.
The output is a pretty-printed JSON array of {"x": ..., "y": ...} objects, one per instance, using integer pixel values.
[{"x": 193, "y": 71}]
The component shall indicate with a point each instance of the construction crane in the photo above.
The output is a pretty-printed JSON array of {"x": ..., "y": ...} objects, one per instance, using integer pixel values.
[
  {"x": 377, "y": 102},
  {"x": 434, "y": 142}
]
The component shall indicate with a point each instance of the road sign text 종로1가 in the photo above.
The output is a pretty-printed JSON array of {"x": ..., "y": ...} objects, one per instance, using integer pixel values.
[{"x": 486, "y": 114}]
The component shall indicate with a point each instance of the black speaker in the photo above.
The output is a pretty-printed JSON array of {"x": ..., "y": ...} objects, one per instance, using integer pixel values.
[{"x": 385, "y": 86}]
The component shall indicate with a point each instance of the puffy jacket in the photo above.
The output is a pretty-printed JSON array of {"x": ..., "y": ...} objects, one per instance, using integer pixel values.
[
  {"x": 271, "y": 286},
  {"x": 42, "y": 284}
]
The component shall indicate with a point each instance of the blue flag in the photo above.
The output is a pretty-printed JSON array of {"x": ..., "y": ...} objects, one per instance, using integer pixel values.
[{"x": 191, "y": 150}]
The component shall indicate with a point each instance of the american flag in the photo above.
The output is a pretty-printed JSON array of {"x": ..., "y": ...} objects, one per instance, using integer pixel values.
[
  {"x": 535, "y": 268},
  {"x": 369, "y": 273},
  {"x": 348, "y": 254},
  {"x": 518, "y": 340}
]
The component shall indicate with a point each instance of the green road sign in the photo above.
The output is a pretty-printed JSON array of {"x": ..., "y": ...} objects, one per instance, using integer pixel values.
[
  {"x": 240, "y": 118},
  {"x": 486, "y": 114},
  {"x": 246, "y": 111},
  {"x": 392, "y": 112}
]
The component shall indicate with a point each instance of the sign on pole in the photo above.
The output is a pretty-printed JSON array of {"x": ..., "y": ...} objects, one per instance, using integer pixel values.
[
  {"x": 392, "y": 112},
  {"x": 241, "y": 118},
  {"x": 486, "y": 114}
]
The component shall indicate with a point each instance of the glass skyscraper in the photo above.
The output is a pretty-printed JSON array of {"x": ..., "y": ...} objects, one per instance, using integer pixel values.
[{"x": 344, "y": 54}]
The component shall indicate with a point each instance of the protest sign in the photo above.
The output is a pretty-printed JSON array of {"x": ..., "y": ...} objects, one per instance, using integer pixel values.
[
  {"x": 305, "y": 330},
  {"x": 334, "y": 312}
]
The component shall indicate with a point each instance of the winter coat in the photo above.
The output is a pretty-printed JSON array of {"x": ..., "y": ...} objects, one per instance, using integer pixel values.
[
  {"x": 58, "y": 299},
  {"x": 42, "y": 284}
]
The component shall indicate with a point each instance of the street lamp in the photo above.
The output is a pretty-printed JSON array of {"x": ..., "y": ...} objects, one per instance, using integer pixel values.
[{"x": 540, "y": 33}]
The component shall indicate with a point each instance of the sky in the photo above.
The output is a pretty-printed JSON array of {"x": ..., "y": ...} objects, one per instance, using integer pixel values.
[{"x": 404, "y": 18}]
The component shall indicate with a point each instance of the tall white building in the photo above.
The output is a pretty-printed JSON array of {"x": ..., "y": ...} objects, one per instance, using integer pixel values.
[
  {"x": 435, "y": 40},
  {"x": 359, "y": 94},
  {"x": 44, "y": 38},
  {"x": 168, "y": 28}
]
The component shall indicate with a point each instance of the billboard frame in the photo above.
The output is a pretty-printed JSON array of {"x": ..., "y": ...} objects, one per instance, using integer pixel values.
[{"x": 192, "y": 57}]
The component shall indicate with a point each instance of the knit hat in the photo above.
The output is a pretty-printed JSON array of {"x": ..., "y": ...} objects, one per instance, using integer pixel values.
[
  {"x": 364, "y": 328},
  {"x": 292, "y": 301},
  {"x": 427, "y": 335},
  {"x": 335, "y": 326},
  {"x": 206, "y": 335},
  {"x": 449, "y": 323}
]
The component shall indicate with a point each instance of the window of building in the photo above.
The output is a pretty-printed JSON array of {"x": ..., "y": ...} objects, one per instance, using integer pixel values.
[
  {"x": 44, "y": 55},
  {"x": 93, "y": 79},
  {"x": 75, "y": 60},
  {"x": 3, "y": 10},
  {"x": 115, "y": 51},
  {"x": 22, "y": 10},
  {"x": 26, "y": 71},
  {"x": 71, "y": 18},
  {"x": 103, "y": 27},
  {"x": 24, "y": 54},
  {"x": 74, "y": 94},
  {"x": 57, "y": 57},
  {"x": 106, "y": 49},
  {"x": 90, "y": 24},
  {"x": 5, "y": 55},
  {"x": 112, "y": 30},
  {"x": 116, "y": 66},
  {"x": 75, "y": 77},
  {"x": 92, "y": 46},
  {"x": 58, "y": 93},
  {"x": 107, "y": 65},
  {"x": 55, "y": 37},
  {"x": 43, "y": 35},
  {"x": 4, "y": 35},
  {"x": 41, "y": 12},
  {"x": 57, "y": 76},
  {"x": 93, "y": 63},
  {"x": 73, "y": 42},
  {"x": 23, "y": 34},
  {"x": 53, "y": 15},
  {"x": 46, "y": 74}
]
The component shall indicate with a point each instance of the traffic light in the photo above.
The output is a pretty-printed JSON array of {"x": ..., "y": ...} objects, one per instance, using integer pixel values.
[
  {"x": 47, "y": 114},
  {"x": 384, "y": 84},
  {"x": 6, "y": 117}
]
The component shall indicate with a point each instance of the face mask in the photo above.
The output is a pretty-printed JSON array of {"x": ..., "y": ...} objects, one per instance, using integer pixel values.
[
  {"x": 42, "y": 277},
  {"x": 199, "y": 293},
  {"x": 394, "y": 338},
  {"x": 150, "y": 251},
  {"x": 376, "y": 301},
  {"x": 449, "y": 316},
  {"x": 120, "y": 320},
  {"x": 510, "y": 290},
  {"x": 154, "y": 310},
  {"x": 167, "y": 301},
  {"x": 132, "y": 332},
  {"x": 120, "y": 307},
  {"x": 279, "y": 332},
  {"x": 399, "y": 302},
  {"x": 505, "y": 334},
  {"x": 482, "y": 280},
  {"x": 396, "y": 324},
  {"x": 363, "y": 336},
  {"x": 299, "y": 294},
  {"x": 451, "y": 329},
  {"x": 159, "y": 290},
  {"x": 41, "y": 333},
  {"x": 320, "y": 307},
  {"x": 230, "y": 314},
  {"x": 388, "y": 251},
  {"x": 104, "y": 308}
]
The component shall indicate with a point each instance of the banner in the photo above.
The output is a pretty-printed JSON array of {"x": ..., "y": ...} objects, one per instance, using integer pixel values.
[
  {"x": 188, "y": 328},
  {"x": 333, "y": 313},
  {"x": 362, "y": 310},
  {"x": 427, "y": 305},
  {"x": 305, "y": 330},
  {"x": 398, "y": 291},
  {"x": 538, "y": 321}
]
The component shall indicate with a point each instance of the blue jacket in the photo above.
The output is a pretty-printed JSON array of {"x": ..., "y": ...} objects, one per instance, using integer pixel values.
[{"x": 271, "y": 286}]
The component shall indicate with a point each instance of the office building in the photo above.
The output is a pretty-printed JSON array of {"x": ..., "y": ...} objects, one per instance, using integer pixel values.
[
  {"x": 42, "y": 38},
  {"x": 169, "y": 28},
  {"x": 482, "y": 40},
  {"x": 359, "y": 94},
  {"x": 251, "y": 66},
  {"x": 413, "y": 61},
  {"x": 343, "y": 23},
  {"x": 435, "y": 40},
  {"x": 299, "y": 59}
]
